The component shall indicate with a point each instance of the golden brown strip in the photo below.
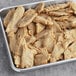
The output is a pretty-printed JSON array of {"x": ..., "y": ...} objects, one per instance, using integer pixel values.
[
  {"x": 49, "y": 41},
  {"x": 28, "y": 18},
  {"x": 56, "y": 7},
  {"x": 12, "y": 42},
  {"x": 16, "y": 17},
  {"x": 31, "y": 29},
  {"x": 8, "y": 17},
  {"x": 27, "y": 58},
  {"x": 73, "y": 6},
  {"x": 57, "y": 14},
  {"x": 62, "y": 18},
  {"x": 41, "y": 34},
  {"x": 40, "y": 7},
  {"x": 42, "y": 58},
  {"x": 58, "y": 51},
  {"x": 43, "y": 20},
  {"x": 39, "y": 27},
  {"x": 67, "y": 54}
]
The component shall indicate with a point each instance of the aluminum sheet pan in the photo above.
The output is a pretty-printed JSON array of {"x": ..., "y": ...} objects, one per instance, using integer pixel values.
[{"x": 4, "y": 11}]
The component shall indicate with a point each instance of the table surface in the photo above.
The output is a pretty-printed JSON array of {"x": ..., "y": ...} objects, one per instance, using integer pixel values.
[{"x": 67, "y": 69}]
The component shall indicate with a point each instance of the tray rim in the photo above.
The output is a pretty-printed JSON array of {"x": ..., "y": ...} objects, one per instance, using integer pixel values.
[
  {"x": 25, "y": 4},
  {"x": 7, "y": 46}
]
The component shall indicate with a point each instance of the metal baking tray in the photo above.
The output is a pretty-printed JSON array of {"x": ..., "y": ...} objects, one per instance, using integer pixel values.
[{"x": 4, "y": 11}]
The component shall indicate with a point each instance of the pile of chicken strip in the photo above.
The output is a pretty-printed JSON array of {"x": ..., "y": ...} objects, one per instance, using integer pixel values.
[{"x": 41, "y": 35}]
